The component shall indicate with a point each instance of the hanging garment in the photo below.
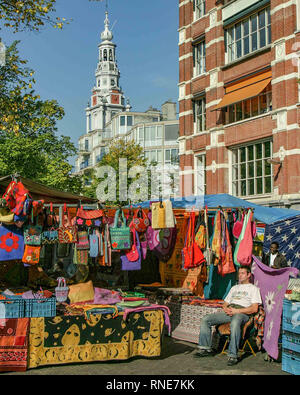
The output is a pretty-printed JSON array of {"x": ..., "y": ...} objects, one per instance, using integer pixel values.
[
  {"x": 226, "y": 265},
  {"x": 191, "y": 253},
  {"x": 217, "y": 238},
  {"x": 94, "y": 245},
  {"x": 236, "y": 250},
  {"x": 244, "y": 255},
  {"x": 11, "y": 243}
]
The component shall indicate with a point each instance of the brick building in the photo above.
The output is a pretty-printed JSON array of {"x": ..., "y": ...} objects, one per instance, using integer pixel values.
[{"x": 239, "y": 99}]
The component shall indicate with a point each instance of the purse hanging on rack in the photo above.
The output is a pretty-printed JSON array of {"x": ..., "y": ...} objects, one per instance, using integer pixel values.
[
  {"x": 89, "y": 217},
  {"x": 191, "y": 253},
  {"x": 33, "y": 233},
  {"x": 120, "y": 236},
  {"x": 140, "y": 221},
  {"x": 31, "y": 255},
  {"x": 67, "y": 233}
]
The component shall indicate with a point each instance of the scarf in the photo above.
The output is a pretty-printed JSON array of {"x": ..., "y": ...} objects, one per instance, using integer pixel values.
[{"x": 272, "y": 284}]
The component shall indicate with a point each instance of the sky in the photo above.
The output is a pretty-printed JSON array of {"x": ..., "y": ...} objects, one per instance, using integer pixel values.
[{"x": 64, "y": 61}]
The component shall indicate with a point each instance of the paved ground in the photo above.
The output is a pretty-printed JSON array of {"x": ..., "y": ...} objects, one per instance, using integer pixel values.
[{"x": 176, "y": 359}]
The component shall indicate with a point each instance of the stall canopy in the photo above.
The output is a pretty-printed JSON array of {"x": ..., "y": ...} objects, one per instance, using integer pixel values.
[
  {"x": 266, "y": 215},
  {"x": 41, "y": 192}
]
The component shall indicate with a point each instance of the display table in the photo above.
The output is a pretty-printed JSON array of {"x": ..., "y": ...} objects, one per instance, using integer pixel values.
[{"x": 73, "y": 339}]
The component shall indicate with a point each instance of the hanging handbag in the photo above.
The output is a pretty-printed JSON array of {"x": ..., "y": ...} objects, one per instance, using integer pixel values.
[
  {"x": 191, "y": 253},
  {"x": 94, "y": 245},
  {"x": 133, "y": 265},
  {"x": 133, "y": 254},
  {"x": 158, "y": 220},
  {"x": 89, "y": 217},
  {"x": 82, "y": 240},
  {"x": 33, "y": 233},
  {"x": 50, "y": 236},
  {"x": 200, "y": 230},
  {"x": 31, "y": 255},
  {"x": 120, "y": 236},
  {"x": 140, "y": 221},
  {"x": 6, "y": 216},
  {"x": 67, "y": 233}
]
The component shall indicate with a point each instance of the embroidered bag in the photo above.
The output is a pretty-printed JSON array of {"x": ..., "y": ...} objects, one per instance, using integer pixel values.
[
  {"x": 94, "y": 245},
  {"x": 31, "y": 255},
  {"x": 120, "y": 236},
  {"x": 89, "y": 217},
  {"x": 67, "y": 233},
  {"x": 11, "y": 243},
  {"x": 132, "y": 255},
  {"x": 61, "y": 291},
  {"x": 140, "y": 221},
  {"x": 33, "y": 233},
  {"x": 82, "y": 240}
]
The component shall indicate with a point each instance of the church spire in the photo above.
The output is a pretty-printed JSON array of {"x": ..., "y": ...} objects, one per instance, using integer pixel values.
[{"x": 106, "y": 35}]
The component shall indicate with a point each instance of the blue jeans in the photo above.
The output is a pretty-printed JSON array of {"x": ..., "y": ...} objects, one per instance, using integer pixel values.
[{"x": 236, "y": 323}]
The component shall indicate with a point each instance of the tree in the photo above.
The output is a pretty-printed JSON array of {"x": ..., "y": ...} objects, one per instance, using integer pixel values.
[
  {"x": 28, "y": 141},
  {"x": 29, "y": 14},
  {"x": 133, "y": 157}
]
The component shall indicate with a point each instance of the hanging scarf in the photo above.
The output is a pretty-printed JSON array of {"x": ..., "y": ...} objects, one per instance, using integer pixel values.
[
  {"x": 226, "y": 265},
  {"x": 216, "y": 241}
]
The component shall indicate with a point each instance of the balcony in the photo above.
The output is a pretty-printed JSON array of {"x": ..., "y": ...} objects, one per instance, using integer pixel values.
[
  {"x": 84, "y": 149},
  {"x": 86, "y": 164}
]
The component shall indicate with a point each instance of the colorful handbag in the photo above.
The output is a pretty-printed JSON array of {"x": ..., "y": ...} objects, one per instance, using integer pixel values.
[
  {"x": 33, "y": 235},
  {"x": 128, "y": 264},
  {"x": 94, "y": 245},
  {"x": 140, "y": 221},
  {"x": 82, "y": 240},
  {"x": 31, "y": 255},
  {"x": 50, "y": 236},
  {"x": 191, "y": 253},
  {"x": 120, "y": 236},
  {"x": 67, "y": 233},
  {"x": 6, "y": 216},
  {"x": 61, "y": 291},
  {"x": 89, "y": 217},
  {"x": 133, "y": 254}
]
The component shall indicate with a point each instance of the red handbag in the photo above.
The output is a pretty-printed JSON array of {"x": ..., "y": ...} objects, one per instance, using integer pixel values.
[
  {"x": 191, "y": 252},
  {"x": 133, "y": 254},
  {"x": 140, "y": 221}
]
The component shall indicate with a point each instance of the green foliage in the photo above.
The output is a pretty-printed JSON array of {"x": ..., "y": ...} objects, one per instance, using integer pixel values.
[
  {"x": 119, "y": 149},
  {"x": 29, "y": 14},
  {"x": 28, "y": 141}
]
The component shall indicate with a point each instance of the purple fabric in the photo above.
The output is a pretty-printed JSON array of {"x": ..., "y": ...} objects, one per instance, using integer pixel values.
[
  {"x": 144, "y": 249},
  {"x": 135, "y": 265},
  {"x": 272, "y": 284},
  {"x": 165, "y": 309},
  {"x": 105, "y": 296}
]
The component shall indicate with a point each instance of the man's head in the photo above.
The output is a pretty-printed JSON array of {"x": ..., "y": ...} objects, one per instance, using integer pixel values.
[
  {"x": 244, "y": 274},
  {"x": 274, "y": 247}
]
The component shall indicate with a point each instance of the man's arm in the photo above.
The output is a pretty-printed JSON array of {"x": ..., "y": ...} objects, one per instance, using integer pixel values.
[{"x": 245, "y": 310}]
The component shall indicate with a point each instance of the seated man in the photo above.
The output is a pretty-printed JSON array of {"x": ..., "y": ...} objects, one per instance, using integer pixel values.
[{"x": 242, "y": 300}]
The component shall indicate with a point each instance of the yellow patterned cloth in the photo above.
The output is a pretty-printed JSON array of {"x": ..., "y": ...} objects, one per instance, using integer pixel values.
[{"x": 73, "y": 339}]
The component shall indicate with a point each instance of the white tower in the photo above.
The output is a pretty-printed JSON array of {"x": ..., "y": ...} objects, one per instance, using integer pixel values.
[{"x": 107, "y": 98}]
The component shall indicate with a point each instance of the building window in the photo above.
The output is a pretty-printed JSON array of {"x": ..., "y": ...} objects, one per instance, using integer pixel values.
[
  {"x": 248, "y": 35},
  {"x": 199, "y": 58},
  {"x": 200, "y": 115},
  {"x": 122, "y": 120},
  {"x": 86, "y": 144},
  {"x": 129, "y": 120},
  {"x": 172, "y": 156},
  {"x": 200, "y": 175},
  {"x": 257, "y": 105},
  {"x": 199, "y": 8},
  {"x": 251, "y": 171}
]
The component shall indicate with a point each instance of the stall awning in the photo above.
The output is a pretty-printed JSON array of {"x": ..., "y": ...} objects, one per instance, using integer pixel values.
[{"x": 245, "y": 89}]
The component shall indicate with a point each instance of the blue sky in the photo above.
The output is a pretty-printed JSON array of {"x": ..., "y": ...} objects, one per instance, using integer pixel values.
[{"x": 146, "y": 34}]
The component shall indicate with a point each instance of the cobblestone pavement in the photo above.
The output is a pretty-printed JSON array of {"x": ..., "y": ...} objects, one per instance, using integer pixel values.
[{"x": 176, "y": 359}]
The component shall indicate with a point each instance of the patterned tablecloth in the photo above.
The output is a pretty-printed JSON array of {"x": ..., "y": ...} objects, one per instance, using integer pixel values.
[{"x": 73, "y": 339}]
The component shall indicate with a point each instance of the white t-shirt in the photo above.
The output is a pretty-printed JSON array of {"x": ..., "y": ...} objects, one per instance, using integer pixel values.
[
  {"x": 244, "y": 295},
  {"x": 272, "y": 259}
]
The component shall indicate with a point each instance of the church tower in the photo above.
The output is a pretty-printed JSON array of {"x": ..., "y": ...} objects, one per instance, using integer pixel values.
[{"x": 107, "y": 98}]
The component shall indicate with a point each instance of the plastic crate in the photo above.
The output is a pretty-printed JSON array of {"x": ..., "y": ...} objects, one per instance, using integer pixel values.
[
  {"x": 291, "y": 316},
  {"x": 12, "y": 308},
  {"x": 291, "y": 341},
  {"x": 290, "y": 362},
  {"x": 40, "y": 307}
]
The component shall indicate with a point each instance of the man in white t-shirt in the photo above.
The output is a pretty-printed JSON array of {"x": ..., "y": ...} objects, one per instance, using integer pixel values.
[{"x": 242, "y": 300}]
